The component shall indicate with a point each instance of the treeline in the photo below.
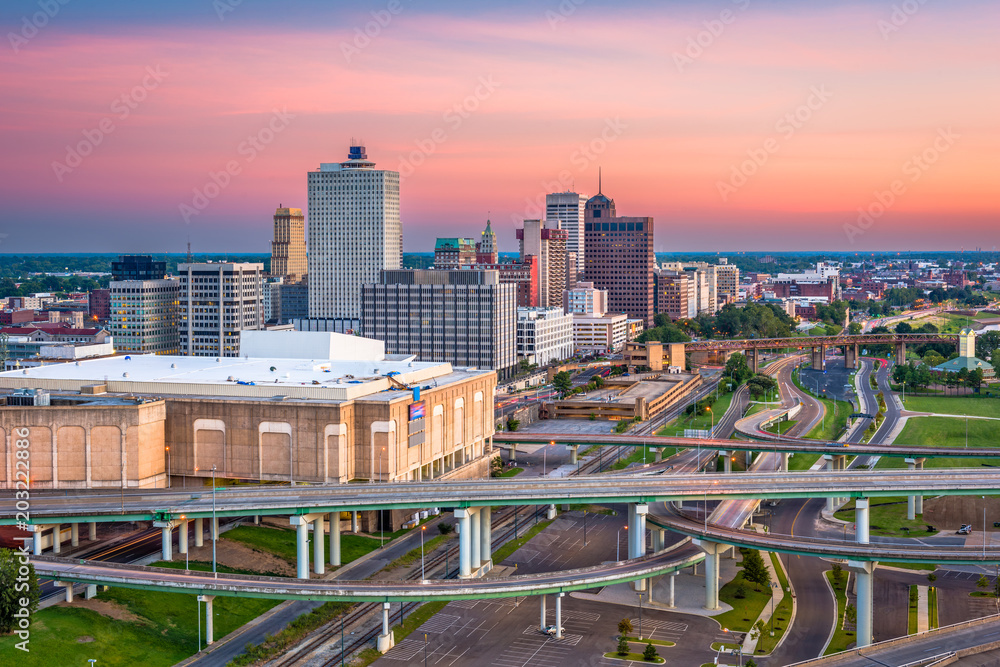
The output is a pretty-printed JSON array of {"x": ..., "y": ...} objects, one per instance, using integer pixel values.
[{"x": 898, "y": 297}]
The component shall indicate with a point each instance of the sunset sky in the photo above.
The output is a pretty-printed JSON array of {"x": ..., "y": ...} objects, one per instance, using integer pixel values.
[{"x": 740, "y": 125}]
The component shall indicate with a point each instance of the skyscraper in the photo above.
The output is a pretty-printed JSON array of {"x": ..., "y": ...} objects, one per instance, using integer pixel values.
[
  {"x": 618, "y": 254},
  {"x": 288, "y": 249},
  {"x": 568, "y": 208},
  {"x": 217, "y": 301},
  {"x": 486, "y": 250},
  {"x": 546, "y": 241},
  {"x": 354, "y": 234}
]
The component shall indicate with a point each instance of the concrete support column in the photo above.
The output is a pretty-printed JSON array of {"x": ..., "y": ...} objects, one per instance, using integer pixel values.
[
  {"x": 513, "y": 453},
  {"x": 572, "y": 453},
  {"x": 864, "y": 571},
  {"x": 57, "y": 538},
  {"x": 68, "y": 585},
  {"x": 672, "y": 577},
  {"x": 354, "y": 522},
  {"x": 166, "y": 542},
  {"x": 900, "y": 352},
  {"x": 182, "y": 537},
  {"x": 385, "y": 640},
  {"x": 209, "y": 617},
  {"x": 302, "y": 551},
  {"x": 754, "y": 355},
  {"x": 712, "y": 552},
  {"x": 199, "y": 532},
  {"x": 74, "y": 534},
  {"x": 215, "y": 528},
  {"x": 36, "y": 541},
  {"x": 637, "y": 540},
  {"x": 90, "y": 592},
  {"x": 861, "y": 520},
  {"x": 319, "y": 558},
  {"x": 830, "y": 464},
  {"x": 559, "y": 597},
  {"x": 464, "y": 516},
  {"x": 474, "y": 538},
  {"x": 485, "y": 535},
  {"x": 335, "y": 539},
  {"x": 541, "y": 623},
  {"x": 783, "y": 462},
  {"x": 551, "y": 513},
  {"x": 727, "y": 462},
  {"x": 659, "y": 454},
  {"x": 93, "y": 531},
  {"x": 914, "y": 504}
]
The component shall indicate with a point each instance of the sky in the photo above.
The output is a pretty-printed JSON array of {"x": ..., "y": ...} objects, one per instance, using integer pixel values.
[{"x": 737, "y": 124}]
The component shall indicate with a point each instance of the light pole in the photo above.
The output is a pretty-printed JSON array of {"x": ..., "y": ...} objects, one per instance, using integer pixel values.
[
  {"x": 215, "y": 525},
  {"x": 774, "y": 585},
  {"x": 199, "y": 622},
  {"x": 739, "y": 647},
  {"x": 168, "y": 466},
  {"x": 640, "y": 615},
  {"x": 966, "y": 431},
  {"x": 425, "y": 649},
  {"x": 187, "y": 554},
  {"x": 584, "y": 527},
  {"x": 92, "y": 661},
  {"x": 711, "y": 431},
  {"x": 422, "y": 577},
  {"x": 544, "y": 452},
  {"x": 618, "y": 544}
]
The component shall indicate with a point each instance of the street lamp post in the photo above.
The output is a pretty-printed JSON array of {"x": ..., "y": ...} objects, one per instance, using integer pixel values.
[
  {"x": 640, "y": 615},
  {"x": 422, "y": 577},
  {"x": 584, "y": 527},
  {"x": 168, "y": 466},
  {"x": 711, "y": 430},
  {"x": 618, "y": 544},
  {"x": 739, "y": 647},
  {"x": 215, "y": 528}
]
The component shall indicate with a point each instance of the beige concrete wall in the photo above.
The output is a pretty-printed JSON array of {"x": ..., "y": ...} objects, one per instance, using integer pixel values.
[{"x": 80, "y": 446}]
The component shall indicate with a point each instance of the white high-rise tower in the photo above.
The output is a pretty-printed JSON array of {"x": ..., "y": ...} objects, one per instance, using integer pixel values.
[
  {"x": 568, "y": 208},
  {"x": 354, "y": 233}
]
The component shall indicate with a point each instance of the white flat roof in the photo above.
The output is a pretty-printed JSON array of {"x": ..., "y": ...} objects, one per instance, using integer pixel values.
[{"x": 231, "y": 376}]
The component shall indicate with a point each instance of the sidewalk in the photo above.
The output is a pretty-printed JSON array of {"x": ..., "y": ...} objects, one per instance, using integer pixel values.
[{"x": 777, "y": 595}]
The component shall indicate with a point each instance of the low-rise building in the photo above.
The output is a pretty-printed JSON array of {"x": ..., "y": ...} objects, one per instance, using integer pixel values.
[
  {"x": 544, "y": 335},
  {"x": 601, "y": 334}
]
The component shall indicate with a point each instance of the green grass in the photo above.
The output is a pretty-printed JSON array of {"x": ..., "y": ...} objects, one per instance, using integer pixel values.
[
  {"x": 166, "y": 633},
  {"x": 842, "y": 639},
  {"x": 782, "y": 428},
  {"x": 654, "y": 642},
  {"x": 911, "y": 617},
  {"x": 802, "y": 461},
  {"x": 744, "y": 612},
  {"x": 637, "y": 657},
  {"x": 946, "y": 432},
  {"x": 887, "y": 516},
  {"x": 705, "y": 420},
  {"x": 932, "y": 608},
  {"x": 290, "y": 634},
  {"x": 979, "y": 406},
  {"x": 281, "y": 542},
  {"x": 511, "y": 472},
  {"x": 911, "y": 566},
  {"x": 831, "y": 426},
  {"x": 782, "y": 612},
  {"x": 723, "y": 646},
  {"x": 637, "y": 456}
]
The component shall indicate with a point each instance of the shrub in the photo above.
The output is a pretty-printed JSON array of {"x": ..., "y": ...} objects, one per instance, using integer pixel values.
[
  {"x": 622, "y": 645},
  {"x": 650, "y": 654}
]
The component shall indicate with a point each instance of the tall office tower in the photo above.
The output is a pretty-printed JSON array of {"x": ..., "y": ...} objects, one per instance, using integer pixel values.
[
  {"x": 217, "y": 301},
  {"x": 546, "y": 241},
  {"x": 354, "y": 234},
  {"x": 568, "y": 208},
  {"x": 454, "y": 253},
  {"x": 585, "y": 299},
  {"x": 467, "y": 317},
  {"x": 143, "y": 316},
  {"x": 727, "y": 281},
  {"x": 618, "y": 253},
  {"x": 572, "y": 272},
  {"x": 486, "y": 249},
  {"x": 704, "y": 278},
  {"x": 137, "y": 267},
  {"x": 288, "y": 249}
]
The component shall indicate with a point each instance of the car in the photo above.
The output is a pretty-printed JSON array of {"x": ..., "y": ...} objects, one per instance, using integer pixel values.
[
  {"x": 551, "y": 630},
  {"x": 966, "y": 529}
]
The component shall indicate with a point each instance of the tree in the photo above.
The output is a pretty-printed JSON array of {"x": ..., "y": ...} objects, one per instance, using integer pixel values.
[
  {"x": 625, "y": 627},
  {"x": 622, "y": 645},
  {"x": 760, "y": 384},
  {"x": 982, "y": 582},
  {"x": 512, "y": 424},
  {"x": 933, "y": 577},
  {"x": 854, "y": 328},
  {"x": 751, "y": 663},
  {"x": 598, "y": 381},
  {"x": 562, "y": 381},
  {"x": 18, "y": 592},
  {"x": 754, "y": 569},
  {"x": 737, "y": 368},
  {"x": 649, "y": 654},
  {"x": 838, "y": 572},
  {"x": 851, "y": 614}
]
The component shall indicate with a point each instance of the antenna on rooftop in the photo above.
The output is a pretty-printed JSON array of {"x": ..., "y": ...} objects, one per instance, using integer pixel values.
[{"x": 189, "y": 250}]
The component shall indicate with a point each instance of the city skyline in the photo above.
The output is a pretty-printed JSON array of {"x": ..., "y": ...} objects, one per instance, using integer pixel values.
[{"x": 765, "y": 124}]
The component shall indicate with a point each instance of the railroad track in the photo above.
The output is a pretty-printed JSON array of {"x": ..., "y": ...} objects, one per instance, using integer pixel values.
[{"x": 331, "y": 632}]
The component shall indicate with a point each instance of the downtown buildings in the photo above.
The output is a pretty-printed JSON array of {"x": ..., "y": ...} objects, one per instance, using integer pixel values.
[
  {"x": 143, "y": 306},
  {"x": 354, "y": 234},
  {"x": 218, "y": 300}
]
